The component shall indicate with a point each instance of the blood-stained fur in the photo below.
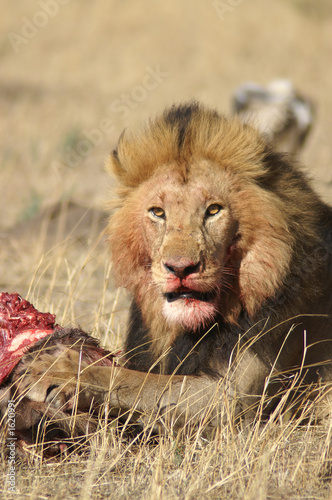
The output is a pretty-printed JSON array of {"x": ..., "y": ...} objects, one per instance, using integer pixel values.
[{"x": 226, "y": 252}]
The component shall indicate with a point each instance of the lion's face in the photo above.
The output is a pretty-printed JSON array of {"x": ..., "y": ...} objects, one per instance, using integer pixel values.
[
  {"x": 190, "y": 229},
  {"x": 196, "y": 244}
]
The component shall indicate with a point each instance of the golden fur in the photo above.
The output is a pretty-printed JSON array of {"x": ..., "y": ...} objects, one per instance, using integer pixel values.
[{"x": 225, "y": 248}]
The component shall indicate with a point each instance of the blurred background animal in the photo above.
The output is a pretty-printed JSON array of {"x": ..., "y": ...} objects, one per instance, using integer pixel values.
[{"x": 278, "y": 110}]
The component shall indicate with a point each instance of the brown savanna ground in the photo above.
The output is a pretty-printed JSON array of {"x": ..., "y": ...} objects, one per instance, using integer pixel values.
[{"x": 73, "y": 75}]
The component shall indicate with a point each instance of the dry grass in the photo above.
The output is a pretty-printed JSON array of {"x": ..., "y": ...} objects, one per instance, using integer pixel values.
[
  {"x": 57, "y": 88},
  {"x": 255, "y": 464}
]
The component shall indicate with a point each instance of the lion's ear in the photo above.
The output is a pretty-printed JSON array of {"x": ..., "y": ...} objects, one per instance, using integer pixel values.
[{"x": 113, "y": 165}]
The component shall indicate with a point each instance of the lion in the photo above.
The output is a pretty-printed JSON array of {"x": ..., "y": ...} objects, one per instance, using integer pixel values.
[{"x": 226, "y": 252}]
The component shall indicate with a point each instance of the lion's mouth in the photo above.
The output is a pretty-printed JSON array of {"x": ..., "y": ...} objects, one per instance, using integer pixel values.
[
  {"x": 190, "y": 307},
  {"x": 189, "y": 295}
]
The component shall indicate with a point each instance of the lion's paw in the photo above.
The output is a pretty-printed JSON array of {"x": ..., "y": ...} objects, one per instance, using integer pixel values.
[{"x": 49, "y": 378}]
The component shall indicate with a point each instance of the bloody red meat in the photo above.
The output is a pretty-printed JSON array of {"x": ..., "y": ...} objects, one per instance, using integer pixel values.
[
  {"x": 25, "y": 334},
  {"x": 21, "y": 325}
]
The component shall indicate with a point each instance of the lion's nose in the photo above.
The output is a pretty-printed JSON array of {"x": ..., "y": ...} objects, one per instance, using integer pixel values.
[{"x": 182, "y": 267}]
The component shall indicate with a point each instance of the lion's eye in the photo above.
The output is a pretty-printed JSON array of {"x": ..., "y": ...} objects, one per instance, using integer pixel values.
[
  {"x": 213, "y": 209},
  {"x": 157, "y": 212}
]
